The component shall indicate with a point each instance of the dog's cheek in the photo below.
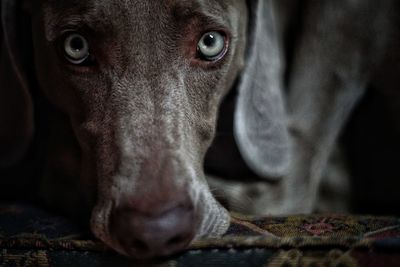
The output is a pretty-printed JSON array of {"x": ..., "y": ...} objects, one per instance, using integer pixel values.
[
  {"x": 50, "y": 77},
  {"x": 208, "y": 89}
]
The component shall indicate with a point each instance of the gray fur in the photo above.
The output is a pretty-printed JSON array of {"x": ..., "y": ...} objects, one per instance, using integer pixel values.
[
  {"x": 335, "y": 58},
  {"x": 132, "y": 125},
  {"x": 139, "y": 123}
]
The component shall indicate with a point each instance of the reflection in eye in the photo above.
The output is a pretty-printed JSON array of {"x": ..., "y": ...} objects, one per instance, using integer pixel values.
[
  {"x": 76, "y": 48},
  {"x": 211, "y": 46}
]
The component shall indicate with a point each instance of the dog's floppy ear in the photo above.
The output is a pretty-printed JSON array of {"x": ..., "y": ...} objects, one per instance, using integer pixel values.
[
  {"x": 260, "y": 120},
  {"x": 16, "y": 108}
]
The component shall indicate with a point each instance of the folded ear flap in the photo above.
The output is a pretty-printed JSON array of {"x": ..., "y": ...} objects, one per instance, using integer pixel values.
[
  {"x": 260, "y": 120},
  {"x": 16, "y": 108}
]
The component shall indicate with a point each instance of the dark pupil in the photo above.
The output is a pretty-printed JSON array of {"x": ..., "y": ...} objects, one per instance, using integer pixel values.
[
  {"x": 77, "y": 44},
  {"x": 209, "y": 40}
]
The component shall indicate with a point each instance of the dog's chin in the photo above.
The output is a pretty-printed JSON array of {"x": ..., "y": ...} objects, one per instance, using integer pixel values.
[{"x": 214, "y": 221}]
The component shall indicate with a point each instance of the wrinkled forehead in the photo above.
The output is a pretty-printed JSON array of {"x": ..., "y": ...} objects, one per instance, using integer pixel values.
[{"x": 109, "y": 16}]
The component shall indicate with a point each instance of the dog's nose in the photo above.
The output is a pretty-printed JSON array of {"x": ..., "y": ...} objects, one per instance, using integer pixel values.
[{"x": 145, "y": 234}]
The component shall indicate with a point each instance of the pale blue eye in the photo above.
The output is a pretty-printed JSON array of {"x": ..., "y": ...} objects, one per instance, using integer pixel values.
[
  {"x": 211, "y": 45},
  {"x": 76, "y": 48}
]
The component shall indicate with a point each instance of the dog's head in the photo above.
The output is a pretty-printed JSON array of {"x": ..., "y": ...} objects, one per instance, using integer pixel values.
[{"x": 141, "y": 83}]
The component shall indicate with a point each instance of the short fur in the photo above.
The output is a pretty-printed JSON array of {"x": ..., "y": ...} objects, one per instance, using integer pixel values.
[{"x": 135, "y": 128}]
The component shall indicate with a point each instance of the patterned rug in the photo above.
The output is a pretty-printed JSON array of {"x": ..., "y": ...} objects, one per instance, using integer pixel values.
[{"x": 32, "y": 237}]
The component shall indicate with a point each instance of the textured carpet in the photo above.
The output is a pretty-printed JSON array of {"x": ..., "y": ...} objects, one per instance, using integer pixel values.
[{"x": 31, "y": 237}]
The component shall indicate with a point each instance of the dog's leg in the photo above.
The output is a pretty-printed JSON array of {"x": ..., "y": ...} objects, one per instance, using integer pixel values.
[
  {"x": 329, "y": 72},
  {"x": 334, "y": 191},
  {"x": 332, "y": 59}
]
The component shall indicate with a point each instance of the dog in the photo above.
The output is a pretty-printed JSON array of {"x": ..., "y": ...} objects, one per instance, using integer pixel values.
[{"x": 125, "y": 98}]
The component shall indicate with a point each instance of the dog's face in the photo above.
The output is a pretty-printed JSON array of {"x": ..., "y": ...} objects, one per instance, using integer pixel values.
[{"x": 141, "y": 82}]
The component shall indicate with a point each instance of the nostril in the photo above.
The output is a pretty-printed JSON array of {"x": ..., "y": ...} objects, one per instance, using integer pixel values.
[
  {"x": 139, "y": 245},
  {"x": 143, "y": 235}
]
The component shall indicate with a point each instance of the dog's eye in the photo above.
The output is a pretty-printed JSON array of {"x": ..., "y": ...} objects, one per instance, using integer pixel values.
[
  {"x": 76, "y": 48},
  {"x": 211, "y": 46}
]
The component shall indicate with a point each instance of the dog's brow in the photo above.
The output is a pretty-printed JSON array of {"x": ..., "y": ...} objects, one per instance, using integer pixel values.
[
  {"x": 187, "y": 11},
  {"x": 71, "y": 21},
  {"x": 58, "y": 22}
]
